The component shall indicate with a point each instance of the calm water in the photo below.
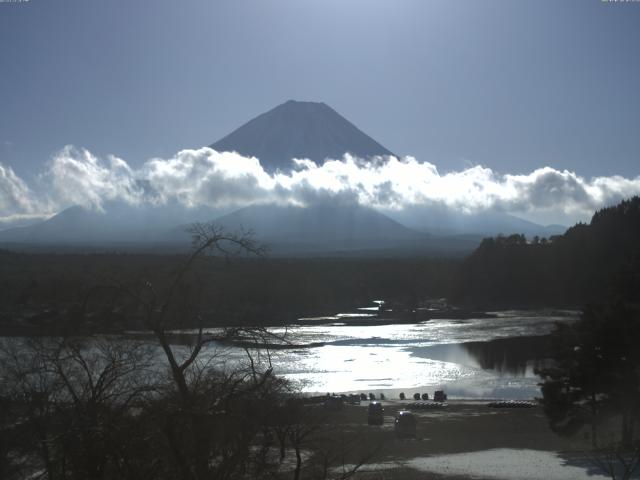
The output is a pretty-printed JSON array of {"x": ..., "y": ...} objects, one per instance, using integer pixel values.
[
  {"x": 472, "y": 358},
  {"x": 460, "y": 356}
]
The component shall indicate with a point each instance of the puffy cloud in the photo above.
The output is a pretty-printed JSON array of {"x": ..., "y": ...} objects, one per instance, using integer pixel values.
[
  {"x": 204, "y": 177},
  {"x": 76, "y": 177},
  {"x": 551, "y": 190},
  {"x": 15, "y": 196}
]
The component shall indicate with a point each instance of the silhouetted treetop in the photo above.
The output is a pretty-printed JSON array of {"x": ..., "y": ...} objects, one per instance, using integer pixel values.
[{"x": 564, "y": 270}]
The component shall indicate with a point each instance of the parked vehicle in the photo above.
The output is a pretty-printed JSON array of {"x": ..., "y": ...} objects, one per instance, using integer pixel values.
[
  {"x": 439, "y": 396},
  {"x": 405, "y": 424},
  {"x": 334, "y": 403},
  {"x": 353, "y": 399},
  {"x": 375, "y": 414}
]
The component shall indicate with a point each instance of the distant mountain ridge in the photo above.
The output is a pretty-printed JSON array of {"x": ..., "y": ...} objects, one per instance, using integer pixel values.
[
  {"x": 310, "y": 223},
  {"x": 117, "y": 223},
  {"x": 441, "y": 221},
  {"x": 343, "y": 230},
  {"x": 296, "y": 129},
  {"x": 321, "y": 228}
]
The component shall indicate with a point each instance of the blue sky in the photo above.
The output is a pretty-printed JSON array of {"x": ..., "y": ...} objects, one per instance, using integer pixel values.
[
  {"x": 526, "y": 107},
  {"x": 508, "y": 85}
]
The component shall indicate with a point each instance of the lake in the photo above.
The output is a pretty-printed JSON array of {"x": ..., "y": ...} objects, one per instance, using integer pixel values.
[
  {"x": 471, "y": 358},
  {"x": 490, "y": 357}
]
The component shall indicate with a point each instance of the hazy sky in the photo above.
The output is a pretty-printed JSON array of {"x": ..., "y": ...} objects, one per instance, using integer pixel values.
[{"x": 510, "y": 85}]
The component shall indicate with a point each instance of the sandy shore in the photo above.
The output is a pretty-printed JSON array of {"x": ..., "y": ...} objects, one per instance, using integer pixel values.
[{"x": 467, "y": 439}]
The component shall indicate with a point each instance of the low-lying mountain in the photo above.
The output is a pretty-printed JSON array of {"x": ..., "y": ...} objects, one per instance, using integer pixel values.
[
  {"x": 284, "y": 230},
  {"x": 71, "y": 224},
  {"x": 350, "y": 229},
  {"x": 117, "y": 225},
  {"x": 444, "y": 221},
  {"x": 336, "y": 229},
  {"x": 293, "y": 129},
  {"x": 317, "y": 224}
]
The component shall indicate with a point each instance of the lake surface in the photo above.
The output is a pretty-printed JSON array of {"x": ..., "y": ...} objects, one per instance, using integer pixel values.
[
  {"x": 474, "y": 358},
  {"x": 471, "y": 358}
]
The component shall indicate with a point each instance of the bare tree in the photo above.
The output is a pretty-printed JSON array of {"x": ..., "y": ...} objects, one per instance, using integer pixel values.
[
  {"x": 616, "y": 461},
  {"x": 105, "y": 408},
  {"x": 72, "y": 392},
  {"x": 72, "y": 397}
]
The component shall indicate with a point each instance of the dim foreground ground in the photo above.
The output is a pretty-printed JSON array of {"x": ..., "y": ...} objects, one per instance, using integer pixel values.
[{"x": 466, "y": 440}]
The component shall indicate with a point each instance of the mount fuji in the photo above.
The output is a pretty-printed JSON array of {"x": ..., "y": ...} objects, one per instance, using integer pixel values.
[
  {"x": 291, "y": 130},
  {"x": 295, "y": 129}
]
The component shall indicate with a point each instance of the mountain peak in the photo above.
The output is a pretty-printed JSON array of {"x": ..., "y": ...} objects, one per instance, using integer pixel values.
[
  {"x": 304, "y": 108},
  {"x": 299, "y": 129},
  {"x": 292, "y": 102}
]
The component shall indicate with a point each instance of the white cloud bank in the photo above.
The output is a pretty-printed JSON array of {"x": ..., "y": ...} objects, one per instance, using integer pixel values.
[{"x": 204, "y": 177}]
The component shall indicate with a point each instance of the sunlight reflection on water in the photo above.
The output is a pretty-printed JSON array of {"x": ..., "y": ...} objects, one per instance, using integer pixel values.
[
  {"x": 427, "y": 355},
  {"x": 347, "y": 368}
]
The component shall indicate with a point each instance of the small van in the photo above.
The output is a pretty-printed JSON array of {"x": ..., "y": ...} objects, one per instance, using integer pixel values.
[
  {"x": 439, "y": 396},
  {"x": 405, "y": 425},
  {"x": 375, "y": 414}
]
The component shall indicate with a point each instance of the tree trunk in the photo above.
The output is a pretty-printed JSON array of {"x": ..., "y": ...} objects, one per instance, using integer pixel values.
[
  {"x": 296, "y": 475},
  {"x": 282, "y": 439},
  {"x": 627, "y": 430}
]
